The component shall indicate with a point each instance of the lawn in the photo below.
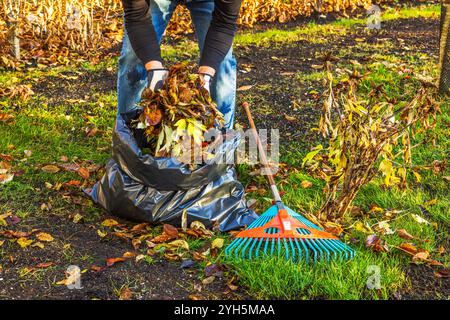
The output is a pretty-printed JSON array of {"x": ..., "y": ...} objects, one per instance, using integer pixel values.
[{"x": 67, "y": 123}]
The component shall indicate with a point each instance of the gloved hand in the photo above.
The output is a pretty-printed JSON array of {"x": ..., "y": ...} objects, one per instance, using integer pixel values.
[
  {"x": 156, "y": 78},
  {"x": 206, "y": 81}
]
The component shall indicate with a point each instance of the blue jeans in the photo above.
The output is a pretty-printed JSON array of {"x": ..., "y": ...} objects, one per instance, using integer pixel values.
[{"x": 132, "y": 77}]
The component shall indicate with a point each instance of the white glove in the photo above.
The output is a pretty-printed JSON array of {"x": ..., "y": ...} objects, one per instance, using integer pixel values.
[
  {"x": 206, "y": 81},
  {"x": 156, "y": 78}
]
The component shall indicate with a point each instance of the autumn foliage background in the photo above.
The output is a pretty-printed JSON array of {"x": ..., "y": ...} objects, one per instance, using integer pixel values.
[{"x": 51, "y": 31}]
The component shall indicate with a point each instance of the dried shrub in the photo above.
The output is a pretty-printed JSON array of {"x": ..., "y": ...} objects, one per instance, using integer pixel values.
[
  {"x": 368, "y": 135},
  {"x": 57, "y": 31}
]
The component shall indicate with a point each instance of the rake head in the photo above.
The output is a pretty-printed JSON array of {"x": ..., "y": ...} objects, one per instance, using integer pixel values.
[{"x": 284, "y": 233}]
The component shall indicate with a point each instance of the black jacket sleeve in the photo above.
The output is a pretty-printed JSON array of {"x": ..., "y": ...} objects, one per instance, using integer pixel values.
[
  {"x": 219, "y": 38},
  {"x": 221, "y": 32},
  {"x": 139, "y": 27}
]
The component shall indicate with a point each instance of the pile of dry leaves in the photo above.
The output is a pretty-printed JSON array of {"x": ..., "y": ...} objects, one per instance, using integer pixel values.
[{"x": 176, "y": 118}]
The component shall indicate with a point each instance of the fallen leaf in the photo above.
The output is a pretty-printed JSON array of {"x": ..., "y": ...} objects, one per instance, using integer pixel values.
[
  {"x": 109, "y": 223},
  {"x": 50, "y": 168},
  {"x": 125, "y": 294},
  {"x": 306, "y": 184},
  {"x": 384, "y": 228},
  {"x": 84, "y": 173},
  {"x": 289, "y": 118},
  {"x": 6, "y": 177},
  {"x": 90, "y": 132},
  {"x": 24, "y": 242},
  {"x": 208, "y": 280},
  {"x": 42, "y": 236},
  {"x": 195, "y": 297},
  {"x": 374, "y": 242},
  {"x": 375, "y": 209},
  {"x": 421, "y": 256},
  {"x": 101, "y": 233},
  {"x": 64, "y": 158},
  {"x": 170, "y": 230},
  {"x": 430, "y": 203},
  {"x": 77, "y": 218},
  {"x": 38, "y": 244},
  {"x": 4, "y": 117},
  {"x": 179, "y": 244},
  {"x": 129, "y": 255},
  {"x": 408, "y": 247},
  {"x": 359, "y": 226},
  {"x": 44, "y": 265},
  {"x": 217, "y": 243},
  {"x": 419, "y": 219},
  {"x": 27, "y": 153},
  {"x": 112, "y": 261},
  {"x": 442, "y": 273},
  {"x": 244, "y": 88},
  {"x": 164, "y": 237},
  {"x": 402, "y": 233}
]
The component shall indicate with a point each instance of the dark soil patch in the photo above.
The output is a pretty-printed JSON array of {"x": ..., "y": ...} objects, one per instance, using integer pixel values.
[
  {"x": 425, "y": 284},
  {"x": 73, "y": 86},
  {"x": 80, "y": 245}
]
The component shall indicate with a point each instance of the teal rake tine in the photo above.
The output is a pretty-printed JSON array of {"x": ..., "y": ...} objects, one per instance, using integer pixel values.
[
  {"x": 286, "y": 248},
  {"x": 259, "y": 247},
  {"x": 255, "y": 241}
]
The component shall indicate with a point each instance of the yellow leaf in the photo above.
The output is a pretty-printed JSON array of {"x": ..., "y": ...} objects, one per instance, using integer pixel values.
[
  {"x": 101, "y": 233},
  {"x": 179, "y": 244},
  {"x": 359, "y": 226},
  {"x": 217, "y": 243},
  {"x": 42, "y": 236},
  {"x": 430, "y": 203},
  {"x": 24, "y": 242},
  {"x": 109, "y": 223},
  {"x": 38, "y": 244}
]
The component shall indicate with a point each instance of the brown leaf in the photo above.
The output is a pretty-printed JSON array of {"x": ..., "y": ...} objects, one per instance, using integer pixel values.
[
  {"x": 374, "y": 242},
  {"x": 112, "y": 261},
  {"x": 402, "y": 233},
  {"x": 90, "y": 132},
  {"x": 408, "y": 247},
  {"x": 421, "y": 256},
  {"x": 126, "y": 294},
  {"x": 244, "y": 88},
  {"x": 170, "y": 230},
  {"x": 44, "y": 265},
  {"x": 164, "y": 237},
  {"x": 84, "y": 173},
  {"x": 4, "y": 117}
]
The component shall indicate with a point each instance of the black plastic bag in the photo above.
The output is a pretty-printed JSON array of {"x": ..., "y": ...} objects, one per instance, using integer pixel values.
[{"x": 141, "y": 187}]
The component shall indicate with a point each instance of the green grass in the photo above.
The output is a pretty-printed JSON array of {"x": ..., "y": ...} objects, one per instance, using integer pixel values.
[{"x": 280, "y": 279}]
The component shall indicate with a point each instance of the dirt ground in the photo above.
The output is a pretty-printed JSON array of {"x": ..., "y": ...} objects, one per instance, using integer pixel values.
[{"x": 273, "y": 97}]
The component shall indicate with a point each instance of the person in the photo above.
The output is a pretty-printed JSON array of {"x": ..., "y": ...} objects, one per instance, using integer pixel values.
[{"x": 140, "y": 62}]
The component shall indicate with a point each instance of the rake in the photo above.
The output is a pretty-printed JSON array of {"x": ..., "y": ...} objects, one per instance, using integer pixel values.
[{"x": 282, "y": 232}]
